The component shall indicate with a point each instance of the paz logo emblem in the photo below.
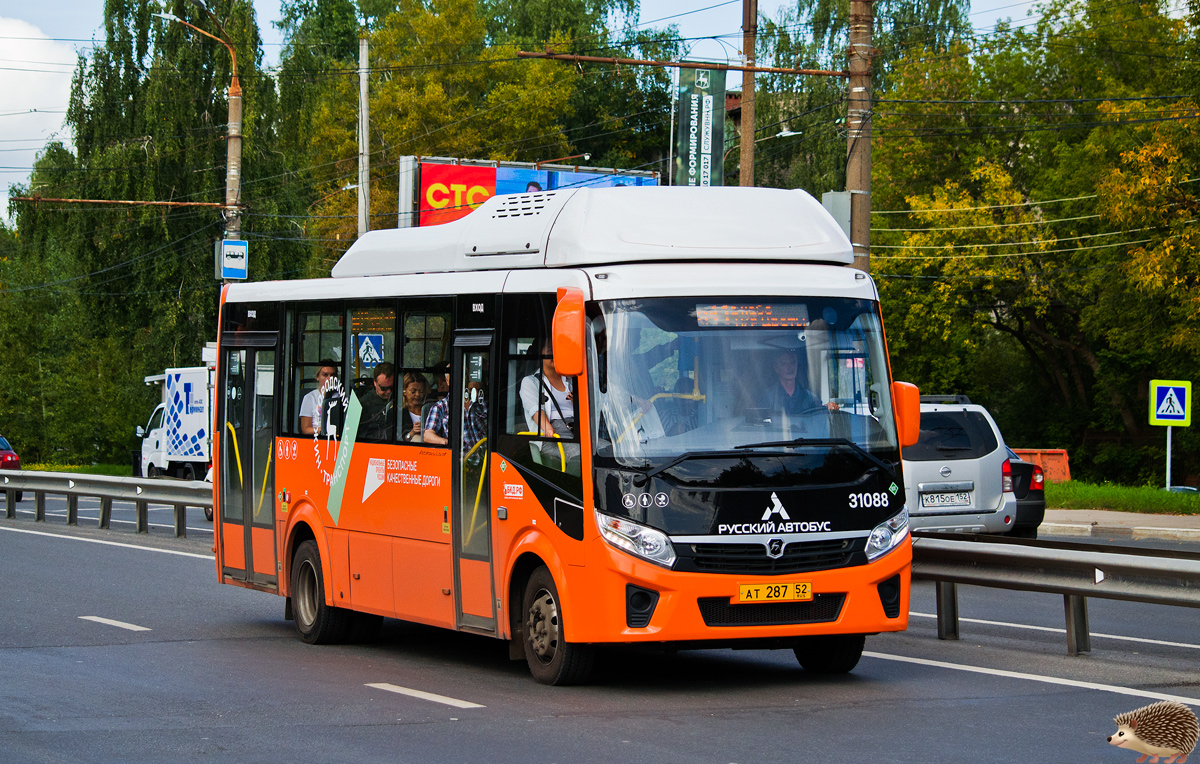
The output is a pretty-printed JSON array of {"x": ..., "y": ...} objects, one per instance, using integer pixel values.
[
  {"x": 775, "y": 509},
  {"x": 775, "y": 549}
]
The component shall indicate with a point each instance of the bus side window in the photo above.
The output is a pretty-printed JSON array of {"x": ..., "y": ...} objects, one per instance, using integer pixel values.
[
  {"x": 424, "y": 357},
  {"x": 548, "y": 444},
  {"x": 374, "y": 379},
  {"x": 319, "y": 336}
]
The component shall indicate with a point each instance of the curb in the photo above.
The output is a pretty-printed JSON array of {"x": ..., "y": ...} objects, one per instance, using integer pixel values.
[{"x": 1119, "y": 531}]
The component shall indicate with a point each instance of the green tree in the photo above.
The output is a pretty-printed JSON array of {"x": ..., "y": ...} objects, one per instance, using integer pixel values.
[{"x": 102, "y": 295}]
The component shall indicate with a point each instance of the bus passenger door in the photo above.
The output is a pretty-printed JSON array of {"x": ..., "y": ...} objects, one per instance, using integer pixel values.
[
  {"x": 247, "y": 477},
  {"x": 474, "y": 596}
]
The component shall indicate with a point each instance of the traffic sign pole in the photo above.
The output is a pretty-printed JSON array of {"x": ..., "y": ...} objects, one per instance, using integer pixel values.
[
  {"x": 1170, "y": 407},
  {"x": 1168, "y": 457}
]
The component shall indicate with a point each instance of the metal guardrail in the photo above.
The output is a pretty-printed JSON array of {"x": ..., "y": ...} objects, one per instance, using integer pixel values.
[
  {"x": 1076, "y": 571},
  {"x": 141, "y": 491}
]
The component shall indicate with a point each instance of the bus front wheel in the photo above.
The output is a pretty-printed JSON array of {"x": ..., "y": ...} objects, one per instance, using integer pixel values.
[
  {"x": 551, "y": 659},
  {"x": 316, "y": 622},
  {"x": 830, "y": 653}
]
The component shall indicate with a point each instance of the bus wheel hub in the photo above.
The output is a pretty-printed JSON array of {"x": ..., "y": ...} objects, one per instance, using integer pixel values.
[{"x": 541, "y": 624}]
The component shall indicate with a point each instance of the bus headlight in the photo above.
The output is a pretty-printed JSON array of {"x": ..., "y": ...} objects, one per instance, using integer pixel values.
[
  {"x": 888, "y": 535},
  {"x": 638, "y": 540}
]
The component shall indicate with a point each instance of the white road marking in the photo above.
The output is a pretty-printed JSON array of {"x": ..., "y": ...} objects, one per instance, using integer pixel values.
[
  {"x": 1064, "y": 631},
  {"x": 118, "y": 624},
  {"x": 109, "y": 543},
  {"x": 425, "y": 695},
  {"x": 1035, "y": 678}
]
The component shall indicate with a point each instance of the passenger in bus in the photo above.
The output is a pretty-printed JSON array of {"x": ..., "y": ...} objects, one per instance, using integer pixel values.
[
  {"x": 377, "y": 421},
  {"x": 437, "y": 421},
  {"x": 789, "y": 394},
  {"x": 550, "y": 409},
  {"x": 416, "y": 389},
  {"x": 310, "y": 407}
]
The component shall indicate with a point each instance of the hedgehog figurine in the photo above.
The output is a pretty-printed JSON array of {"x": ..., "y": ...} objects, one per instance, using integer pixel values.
[{"x": 1165, "y": 729}]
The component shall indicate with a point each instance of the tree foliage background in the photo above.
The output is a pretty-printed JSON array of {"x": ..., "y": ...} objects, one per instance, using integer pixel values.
[{"x": 1034, "y": 188}]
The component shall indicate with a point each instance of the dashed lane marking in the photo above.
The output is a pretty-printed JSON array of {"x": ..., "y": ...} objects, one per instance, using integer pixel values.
[
  {"x": 1035, "y": 678},
  {"x": 425, "y": 695},
  {"x": 118, "y": 624},
  {"x": 109, "y": 543},
  {"x": 1031, "y": 627}
]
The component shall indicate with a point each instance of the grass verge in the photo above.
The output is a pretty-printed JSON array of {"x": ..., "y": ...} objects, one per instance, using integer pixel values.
[
  {"x": 1077, "y": 495},
  {"x": 120, "y": 470}
]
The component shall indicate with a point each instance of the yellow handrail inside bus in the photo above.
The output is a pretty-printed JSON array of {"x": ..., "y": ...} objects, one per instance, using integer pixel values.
[
  {"x": 236, "y": 454},
  {"x": 263, "y": 492},
  {"x": 562, "y": 453},
  {"x": 694, "y": 395},
  {"x": 653, "y": 398},
  {"x": 470, "y": 531}
]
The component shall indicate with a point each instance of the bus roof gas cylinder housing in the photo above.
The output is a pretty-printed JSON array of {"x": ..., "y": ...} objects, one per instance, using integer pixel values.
[{"x": 603, "y": 226}]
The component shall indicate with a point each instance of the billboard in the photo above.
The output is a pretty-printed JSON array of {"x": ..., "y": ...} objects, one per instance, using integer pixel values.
[
  {"x": 449, "y": 191},
  {"x": 700, "y": 136}
]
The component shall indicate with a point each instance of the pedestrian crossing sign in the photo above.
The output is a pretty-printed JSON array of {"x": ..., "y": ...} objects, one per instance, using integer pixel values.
[{"x": 1170, "y": 403}]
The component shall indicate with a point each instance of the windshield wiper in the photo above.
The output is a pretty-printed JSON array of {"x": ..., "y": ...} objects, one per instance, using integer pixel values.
[
  {"x": 953, "y": 448},
  {"x": 686, "y": 455},
  {"x": 827, "y": 442}
]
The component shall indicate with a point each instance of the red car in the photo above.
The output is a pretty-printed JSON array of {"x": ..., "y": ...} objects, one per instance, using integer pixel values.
[{"x": 9, "y": 459}]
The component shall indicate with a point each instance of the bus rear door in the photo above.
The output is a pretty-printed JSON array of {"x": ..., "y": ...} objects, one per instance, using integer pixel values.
[{"x": 247, "y": 477}]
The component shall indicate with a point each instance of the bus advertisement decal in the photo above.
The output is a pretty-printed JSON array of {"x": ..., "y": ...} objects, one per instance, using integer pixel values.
[{"x": 341, "y": 467}]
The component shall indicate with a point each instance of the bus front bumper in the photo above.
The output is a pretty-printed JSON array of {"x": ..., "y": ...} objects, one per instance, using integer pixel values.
[{"x": 704, "y": 607}]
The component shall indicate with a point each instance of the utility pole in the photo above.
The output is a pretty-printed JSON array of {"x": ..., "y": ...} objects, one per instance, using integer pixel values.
[
  {"x": 364, "y": 144},
  {"x": 233, "y": 159},
  {"x": 749, "y": 33},
  {"x": 858, "y": 122},
  {"x": 233, "y": 141}
]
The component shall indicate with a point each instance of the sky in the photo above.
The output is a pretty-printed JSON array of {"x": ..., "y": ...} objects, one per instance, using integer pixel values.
[{"x": 39, "y": 42}]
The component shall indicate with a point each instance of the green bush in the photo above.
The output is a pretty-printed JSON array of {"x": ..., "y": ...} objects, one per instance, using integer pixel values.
[
  {"x": 1076, "y": 494},
  {"x": 120, "y": 470}
]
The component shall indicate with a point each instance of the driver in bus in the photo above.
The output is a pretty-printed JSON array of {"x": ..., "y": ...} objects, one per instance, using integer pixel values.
[{"x": 788, "y": 394}]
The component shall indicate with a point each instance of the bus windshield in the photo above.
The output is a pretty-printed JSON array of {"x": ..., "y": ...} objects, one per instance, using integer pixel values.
[{"x": 678, "y": 376}]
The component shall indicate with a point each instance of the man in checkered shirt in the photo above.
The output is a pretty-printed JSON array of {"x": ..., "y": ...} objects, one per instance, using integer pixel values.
[{"x": 437, "y": 421}]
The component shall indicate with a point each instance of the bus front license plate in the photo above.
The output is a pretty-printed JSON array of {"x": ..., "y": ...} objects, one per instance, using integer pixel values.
[{"x": 783, "y": 592}]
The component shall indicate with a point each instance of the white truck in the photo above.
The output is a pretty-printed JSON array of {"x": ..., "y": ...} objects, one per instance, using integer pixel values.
[{"x": 176, "y": 441}]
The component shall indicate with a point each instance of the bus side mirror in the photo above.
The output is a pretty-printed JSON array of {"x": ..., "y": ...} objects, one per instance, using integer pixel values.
[
  {"x": 568, "y": 331},
  {"x": 907, "y": 400}
]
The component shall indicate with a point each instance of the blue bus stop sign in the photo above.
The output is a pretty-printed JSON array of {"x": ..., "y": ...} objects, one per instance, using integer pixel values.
[{"x": 233, "y": 258}]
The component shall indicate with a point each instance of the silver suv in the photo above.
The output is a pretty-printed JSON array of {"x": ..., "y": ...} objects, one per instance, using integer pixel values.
[{"x": 957, "y": 478}]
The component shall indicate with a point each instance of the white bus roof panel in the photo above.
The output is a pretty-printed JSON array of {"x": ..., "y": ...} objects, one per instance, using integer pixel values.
[{"x": 598, "y": 226}]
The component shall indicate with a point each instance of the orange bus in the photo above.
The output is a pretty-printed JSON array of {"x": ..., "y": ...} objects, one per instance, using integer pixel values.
[{"x": 571, "y": 419}]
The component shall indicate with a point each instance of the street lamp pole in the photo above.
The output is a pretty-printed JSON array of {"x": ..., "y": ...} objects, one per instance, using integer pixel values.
[{"x": 233, "y": 143}]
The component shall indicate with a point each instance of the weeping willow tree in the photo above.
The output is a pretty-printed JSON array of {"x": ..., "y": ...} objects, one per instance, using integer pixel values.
[{"x": 95, "y": 297}]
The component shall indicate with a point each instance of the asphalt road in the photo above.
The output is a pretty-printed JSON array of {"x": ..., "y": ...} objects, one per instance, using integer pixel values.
[{"x": 217, "y": 674}]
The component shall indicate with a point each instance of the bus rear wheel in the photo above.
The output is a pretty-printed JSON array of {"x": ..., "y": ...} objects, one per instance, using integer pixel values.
[
  {"x": 551, "y": 659},
  {"x": 316, "y": 622},
  {"x": 830, "y": 653}
]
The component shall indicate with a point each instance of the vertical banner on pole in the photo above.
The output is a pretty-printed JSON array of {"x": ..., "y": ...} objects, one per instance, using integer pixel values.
[
  {"x": 1170, "y": 406},
  {"x": 700, "y": 135}
]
